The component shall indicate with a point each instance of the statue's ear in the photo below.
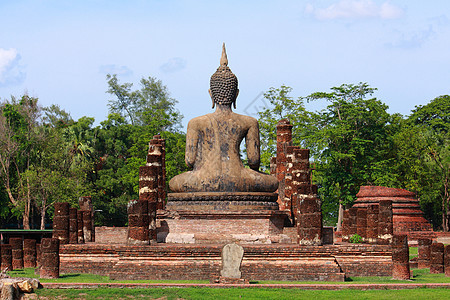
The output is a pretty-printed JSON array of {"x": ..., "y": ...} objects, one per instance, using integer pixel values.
[{"x": 210, "y": 94}]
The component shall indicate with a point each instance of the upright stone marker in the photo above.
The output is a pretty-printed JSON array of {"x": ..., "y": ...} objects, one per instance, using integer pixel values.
[{"x": 232, "y": 255}]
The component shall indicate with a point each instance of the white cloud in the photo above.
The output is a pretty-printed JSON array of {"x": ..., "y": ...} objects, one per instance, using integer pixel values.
[
  {"x": 115, "y": 69},
  {"x": 413, "y": 40},
  {"x": 173, "y": 65},
  {"x": 10, "y": 69},
  {"x": 355, "y": 9}
]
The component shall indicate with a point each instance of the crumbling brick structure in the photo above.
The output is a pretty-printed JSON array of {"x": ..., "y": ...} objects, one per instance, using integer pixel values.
[
  {"x": 6, "y": 254},
  {"x": 49, "y": 258},
  {"x": 437, "y": 258},
  {"x": 73, "y": 226},
  {"x": 284, "y": 139},
  {"x": 400, "y": 257},
  {"x": 157, "y": 156},
  {"x": 17, "y": 252},
  {"x": 346, "y": 226},
  {"x": 61, "y": 222},
  {"x": 87, "y": 226},
  {"x": 29, "y": 253},
  {"x": 424, "y": 253}
]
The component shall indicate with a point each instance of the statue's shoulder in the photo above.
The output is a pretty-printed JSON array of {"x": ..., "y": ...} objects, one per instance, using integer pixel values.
[
  {"x": 247, "y": 119},
  {"x": 199, "y": 122}
]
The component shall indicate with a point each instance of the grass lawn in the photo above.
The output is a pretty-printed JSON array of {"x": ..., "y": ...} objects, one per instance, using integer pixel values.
[{"x": 420, "y": 276}]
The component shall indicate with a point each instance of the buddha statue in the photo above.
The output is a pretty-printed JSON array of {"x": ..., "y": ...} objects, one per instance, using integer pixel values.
[{"x": 213, "y": 142}]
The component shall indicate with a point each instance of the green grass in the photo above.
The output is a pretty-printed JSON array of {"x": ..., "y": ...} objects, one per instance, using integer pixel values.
[
  {"x": 413, "y": 252},
  {"x": 237, "y": 293},
  {"x": 419, "y": 276}
]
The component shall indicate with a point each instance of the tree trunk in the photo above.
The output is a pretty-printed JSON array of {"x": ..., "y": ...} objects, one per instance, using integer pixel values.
[
  {"x": 26, "y": 214},
  {"x": 445, "y": 202},
  {"x": 43, "y": 218},
  {"x": 340, "y": 217}
]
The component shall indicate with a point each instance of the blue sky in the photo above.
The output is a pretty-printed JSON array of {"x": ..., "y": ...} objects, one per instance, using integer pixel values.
[{"x": 61, "y": 51}]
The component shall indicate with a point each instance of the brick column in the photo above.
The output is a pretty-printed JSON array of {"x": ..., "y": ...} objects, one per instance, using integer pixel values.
[
  {"x": 38, "y": 258},
  {"x": 49, "y": 258},
  {"x": 447, "y": 260},
  {"x": 80, "y": 232},
  {"x": 385, "y": 222},
  {"x": 87, "y": 225},
  {"x": 17, "y": 252},
  {"x": 345, "y": 226},
  {"x": 361, "y": 222},
  {"x": 29, "y": 253},
  {"x": 372, "y": 224},
  {"x": 424, "y": 253},
  {"x": 284, "y": 139},
  {"x": 400, "y": 257},
  {"x": 437, "y": 258},
  {"x": 148, "y": 191},
  {"x": 73, "y": 226},
  {"x": 156, "y": 157},
  {"x": 6, "y": 252},
  {"x": 61, "y": 222},
  {"x": 138, "y": 222}
]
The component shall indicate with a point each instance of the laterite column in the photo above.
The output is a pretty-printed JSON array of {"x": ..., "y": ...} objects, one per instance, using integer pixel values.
[
  {"x": 138, "y": 222},
  {"x": 87, "y": 225},
  {"x": 424, "y": 253},
  {"x": 372, "y": 224},
  {"x": 361, "y": 222},
  {"x": 400, "y": 257},
  {"x": 284, "y": 139},
  {"x": 17, "y": 252},
  {"x": 6, "y": 252},
  {"x": 73, "y": 226},
  {"x": 61, "y": 222},
  {"x": 29, "y": 253},
  {"x": 352, "y": 221},
  {"x": 345, "y": 226},
  {"x": 437, "y": 258},
  {"x": 447, "y": 260},
  {"x": 49, "y": 258},
  {"x": 80, "y": 232},
  {"x": 148, "y": 191}
]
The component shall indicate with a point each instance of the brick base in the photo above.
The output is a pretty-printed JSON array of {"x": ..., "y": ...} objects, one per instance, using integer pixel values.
[{"x": 260, "y": 262}]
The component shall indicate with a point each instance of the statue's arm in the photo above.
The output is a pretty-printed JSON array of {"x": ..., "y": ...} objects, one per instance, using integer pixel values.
[
  {"x": 191, "y": 144},
  {"x": 252, "y": 144}
]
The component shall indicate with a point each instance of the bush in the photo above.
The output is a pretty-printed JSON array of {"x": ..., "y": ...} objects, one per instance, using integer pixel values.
[{"x": 356, "y": 239}]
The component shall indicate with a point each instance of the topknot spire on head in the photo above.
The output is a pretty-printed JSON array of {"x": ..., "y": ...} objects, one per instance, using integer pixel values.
[{"x": 224, "y": 58}]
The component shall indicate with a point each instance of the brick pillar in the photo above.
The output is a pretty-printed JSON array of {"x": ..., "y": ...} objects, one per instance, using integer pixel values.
[
  {"x": 85, "y": 204},
  {"x": 424, "y": 253},
  {"x": 352, "y": 221},
  {"x": 38, "y": 258},
  {"x": 154, "y": 159},
  {"x": 385, "y": 222},
  {"x": 49, "y": 258},
  {"x": 361, "y": 222},
  {"x": 372, "y": 224},
  {"x": 437, "y": 258},
  {"x": 309, "y": 225},
  {"x": 73, "y": 226},
  {"x": 61, "y": 222},
  {"x": 29, "y": 253},
  {"x": 6, "y": 252},
  {"x": 17, "y": 252},
  {"x": 138, "y": 222},
  {"x": 80, "y": 233},
  {"x": 297, "y": 177},
  {"x": 87, "y": 225},
  {"x": 400, "y": 257},
  {"x": 284, "y": 139},
  {"x": 447, "y": 260},
  {"x": 148, "y": 191},
  {"x": 345, "y": 226}
]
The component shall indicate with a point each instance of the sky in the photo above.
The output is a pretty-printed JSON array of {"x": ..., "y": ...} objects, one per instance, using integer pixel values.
[{"x": 61, "y": 51}]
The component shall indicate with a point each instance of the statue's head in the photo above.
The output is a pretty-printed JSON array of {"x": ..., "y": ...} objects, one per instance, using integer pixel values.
[{"x": 223, "y": 83}]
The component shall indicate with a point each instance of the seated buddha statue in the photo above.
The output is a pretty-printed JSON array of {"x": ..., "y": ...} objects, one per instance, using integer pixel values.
[{"x": 213, "y": 143}]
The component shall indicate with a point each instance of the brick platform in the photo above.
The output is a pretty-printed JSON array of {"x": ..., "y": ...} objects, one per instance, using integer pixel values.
[{"x": 261, "y": 262}]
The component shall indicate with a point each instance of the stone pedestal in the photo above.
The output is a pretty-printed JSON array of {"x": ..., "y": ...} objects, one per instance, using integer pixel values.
[{"x": 205, "y": 218}]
